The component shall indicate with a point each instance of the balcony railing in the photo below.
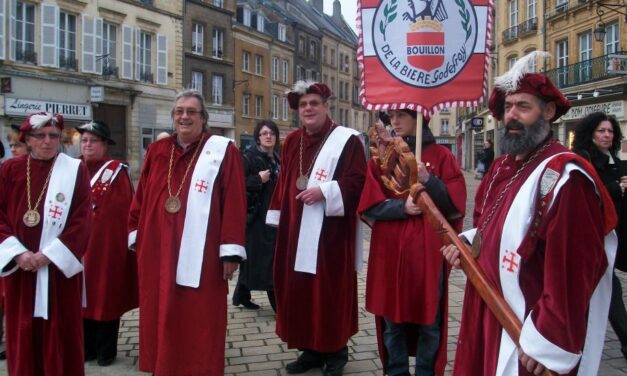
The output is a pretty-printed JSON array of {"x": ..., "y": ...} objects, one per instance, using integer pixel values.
[
  {"x": 561, "y": 8},
  {"x": 25, "y": 55},
  {"x": 586, "y": 71},
  {"x": 109, "y": 70},
  {"x": 69, "y": 63},
  {"x": 510, "y": 34},
  {"x": 528, "y": 27},
  {"x": 146, "y": 77}
]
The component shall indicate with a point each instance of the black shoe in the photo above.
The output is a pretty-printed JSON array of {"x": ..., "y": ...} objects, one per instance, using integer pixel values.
[
  {"x": 250, "y": 305},
  {"x": 106, "y": 361},
  {"x": 333, "y": 371},
  {"x": 90, "y": 357},
  {"x": 3, "y": 355},
  {"x": 302, "y": 366},
  {"x": 624, "y": 351}
]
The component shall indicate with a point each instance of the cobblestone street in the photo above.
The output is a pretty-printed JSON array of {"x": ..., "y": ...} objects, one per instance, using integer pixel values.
[{"x": 253, "y": 348}]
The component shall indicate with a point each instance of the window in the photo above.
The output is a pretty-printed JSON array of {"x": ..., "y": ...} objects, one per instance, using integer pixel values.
[
  {"x": 513, "y": 12},
  {"x": 258, "y": 64},
  {"x": 531, "y": 9},
  {"x": 282, "y": 33},
  {"x": 246, "y": 104},
  {"x": 218, "y": 3},
  {"x": 198, "y": 31},
  {"x": 275, "y": 106},
  {"x": 562, "y": 62},
  {"x": 216, "y": 89},
  {"x": 333, "y": 57},
  {"x": 246, "y": 61},
  {"x": 24, "y": 42},
  {"x": 217, "y": 43},
  {"x": 301, "y": 46},
  {"x": 143, "y": 58},
  {"x": 346, "y": 64},
  {"x": 67, "y": 41},
  {"x": 197, "y": 78},
  {"x": 275, "y": 68},
  {"x": 355, "y": 94},
  {"x": 511, "y": 61},
  {"x": 246, "y": 16},
  {"x": 109, "y": 42},
  {"x": 313, "y": 51},
  {"x": 284, "y": 108},
  {"x": 612, "y": 40},
  {"x": 260, "y": 22},
  {"x": 585, "y": 56},
  {"x": 258, "y": 105},
  {"x": 341, "y": 90},
  {"x": 284, "y": 71},
  {"x": 444, "y": 127},
  {"x": 308, "y": 75},
  {"x": 533, "y": 63},
  {"x": 324, "y": 54}
]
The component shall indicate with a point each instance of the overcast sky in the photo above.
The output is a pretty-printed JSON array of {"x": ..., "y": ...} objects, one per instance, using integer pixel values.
[{"x": 349, "y": 10}]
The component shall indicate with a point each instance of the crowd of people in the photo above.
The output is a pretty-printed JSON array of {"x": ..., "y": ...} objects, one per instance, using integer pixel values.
[{"x": 291, "y": 218}]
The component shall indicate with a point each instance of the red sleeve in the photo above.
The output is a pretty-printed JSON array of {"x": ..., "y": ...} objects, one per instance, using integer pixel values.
[
  {"x": 138, "y": 198},
  {"x": 352, "y": 172},
  {"x": 233, "y": 198},
  {"x": 373, "y": 192}
]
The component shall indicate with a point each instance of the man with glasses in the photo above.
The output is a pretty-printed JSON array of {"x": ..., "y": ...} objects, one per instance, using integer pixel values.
[
  {"x": 187, "y": 223},
  {"x": 318, "y": 249},
  {"x": 45, "y": 217}
]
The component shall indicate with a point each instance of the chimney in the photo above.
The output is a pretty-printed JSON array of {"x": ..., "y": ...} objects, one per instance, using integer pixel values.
[
  {"x": 318, "y": 5},
  {"x": 337, "y": 10}
]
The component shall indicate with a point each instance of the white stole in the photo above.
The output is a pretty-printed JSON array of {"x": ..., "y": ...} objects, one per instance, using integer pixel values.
[
  {"x": 198, "y": 206},
  {"x": 517, "y": 222},
  {"x": 313, "y": 215},
  {"x": 56, "y": 209},
  {"x": 97, "y": 175}
]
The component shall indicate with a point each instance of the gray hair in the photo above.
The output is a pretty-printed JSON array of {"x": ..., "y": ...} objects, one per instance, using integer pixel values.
[{"x": 192, "y": 93}]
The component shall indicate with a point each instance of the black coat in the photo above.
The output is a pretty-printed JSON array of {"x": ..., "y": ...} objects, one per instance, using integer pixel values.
[
  {"x": 610, "y": 176},
  {"x": 256, "y": 271}
]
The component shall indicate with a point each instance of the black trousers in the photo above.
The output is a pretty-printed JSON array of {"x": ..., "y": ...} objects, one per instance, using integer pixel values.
[
  {"x": 101, "y": 339},
  {"x": 618, "y": 314},
  {"x": 241, "y": 294}
]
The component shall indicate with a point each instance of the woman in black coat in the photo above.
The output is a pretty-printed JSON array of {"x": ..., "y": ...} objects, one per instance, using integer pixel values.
[
  {"x": 261, "y": 166},
  {"x": 597, "y": 138}
]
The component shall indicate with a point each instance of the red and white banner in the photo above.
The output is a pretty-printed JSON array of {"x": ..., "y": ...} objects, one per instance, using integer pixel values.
[{"x": 423, "y": 54}]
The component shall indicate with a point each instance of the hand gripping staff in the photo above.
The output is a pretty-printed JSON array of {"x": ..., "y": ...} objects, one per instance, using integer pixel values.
[{"x": 398, "y": 173}]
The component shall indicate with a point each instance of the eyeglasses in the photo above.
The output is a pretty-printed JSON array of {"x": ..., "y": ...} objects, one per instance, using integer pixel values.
[
  {"x": 312, "y": 103},
  {"x": 41, "y": 136},
  {"x": 90, "y": 140},
  {"x": 267, "y": 133},
  {"x": 189, "y": 111}
]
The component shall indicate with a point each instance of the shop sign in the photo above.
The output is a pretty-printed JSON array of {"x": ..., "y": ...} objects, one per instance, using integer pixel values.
[
  {"x": 97, "y": 94},
  {"x": 615, "y": 108},
  {"x": 477, "y": 123},
  {"x": 25, "y": 107},
  {"x": 443, "y": 141}
]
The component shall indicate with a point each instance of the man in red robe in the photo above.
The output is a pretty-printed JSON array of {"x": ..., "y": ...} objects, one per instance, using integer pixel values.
[
  {"x": 45, "y": 217},
  {"x": 543, "y": 233},
  {"x": 406, "y": 287},
  {"x": 110, "y": 269},
  {"x": 187, "y": 223},
  {"x": 314, "y": 205}
]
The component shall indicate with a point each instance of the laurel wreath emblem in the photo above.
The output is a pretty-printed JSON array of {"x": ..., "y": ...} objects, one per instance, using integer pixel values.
[
  {"x": 463, "y": 12},
  {"x": 389, "y": 12}
]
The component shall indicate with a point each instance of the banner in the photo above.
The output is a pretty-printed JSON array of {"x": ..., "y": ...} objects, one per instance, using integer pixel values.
[{"x": 423, "y": 55}]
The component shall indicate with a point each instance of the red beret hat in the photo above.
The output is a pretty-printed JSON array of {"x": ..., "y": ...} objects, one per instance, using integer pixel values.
[
  {"x": 535, "y": 84},
  {"x": 40, "y": 120},
  {"x": 301, "y": 88}
]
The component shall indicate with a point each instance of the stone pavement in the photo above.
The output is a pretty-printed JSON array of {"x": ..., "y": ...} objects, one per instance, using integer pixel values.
[{"x": 253, "y": 348}]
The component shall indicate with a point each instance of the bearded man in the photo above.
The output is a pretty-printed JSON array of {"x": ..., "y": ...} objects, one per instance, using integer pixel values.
[{"x": 543, "y": 236}]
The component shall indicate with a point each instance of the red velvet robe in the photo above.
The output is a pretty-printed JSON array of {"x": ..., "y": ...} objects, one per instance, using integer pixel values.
[
  {"x": 317, "y": 312},
  {"x": 110, "y": 268},
  {"x": 36, "y": 346},
  {"x": 182, "y": 330},
  {"x": 570, "y": 246},
  {"x": 405, "y": 260}
]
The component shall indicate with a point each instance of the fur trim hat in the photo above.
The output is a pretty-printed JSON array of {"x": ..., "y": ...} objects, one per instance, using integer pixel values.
[
  {"x": 301, "y": 88},
  {"x": 40, "y": 120},
  {"x": 520, "y": 79}
]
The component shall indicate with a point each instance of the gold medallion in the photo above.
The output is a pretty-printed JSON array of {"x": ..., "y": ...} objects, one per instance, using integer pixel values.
[
  {"x": 476, "y": 244},
  {"x": 301, "y": 182},
  {"x": 31, "y": 218},
  {"x": 172, "y": 205}
]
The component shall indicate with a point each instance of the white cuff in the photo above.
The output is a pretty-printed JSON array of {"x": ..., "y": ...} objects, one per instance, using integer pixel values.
[
  {"x": 10, "y": 248},
  {"x": 63, "y": 258},
  {"x": 132, "y": 236},
  {"x": 334, "y": 204},
  {"x": 272, "y": 217},
  {"x": 233, "y": 250},
  {"x": 553, "y": 357}
]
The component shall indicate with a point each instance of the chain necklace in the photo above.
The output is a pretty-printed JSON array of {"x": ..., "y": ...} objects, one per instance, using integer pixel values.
[
  {"x": 303, "y": 179},
  {"x": 173, "y": 203},
  {"x": 31, "y": 217},
  {"x": 477, "y": 240}
]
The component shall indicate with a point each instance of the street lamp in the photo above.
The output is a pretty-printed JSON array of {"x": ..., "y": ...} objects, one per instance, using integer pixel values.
[{"x": 620, "y": 8}]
